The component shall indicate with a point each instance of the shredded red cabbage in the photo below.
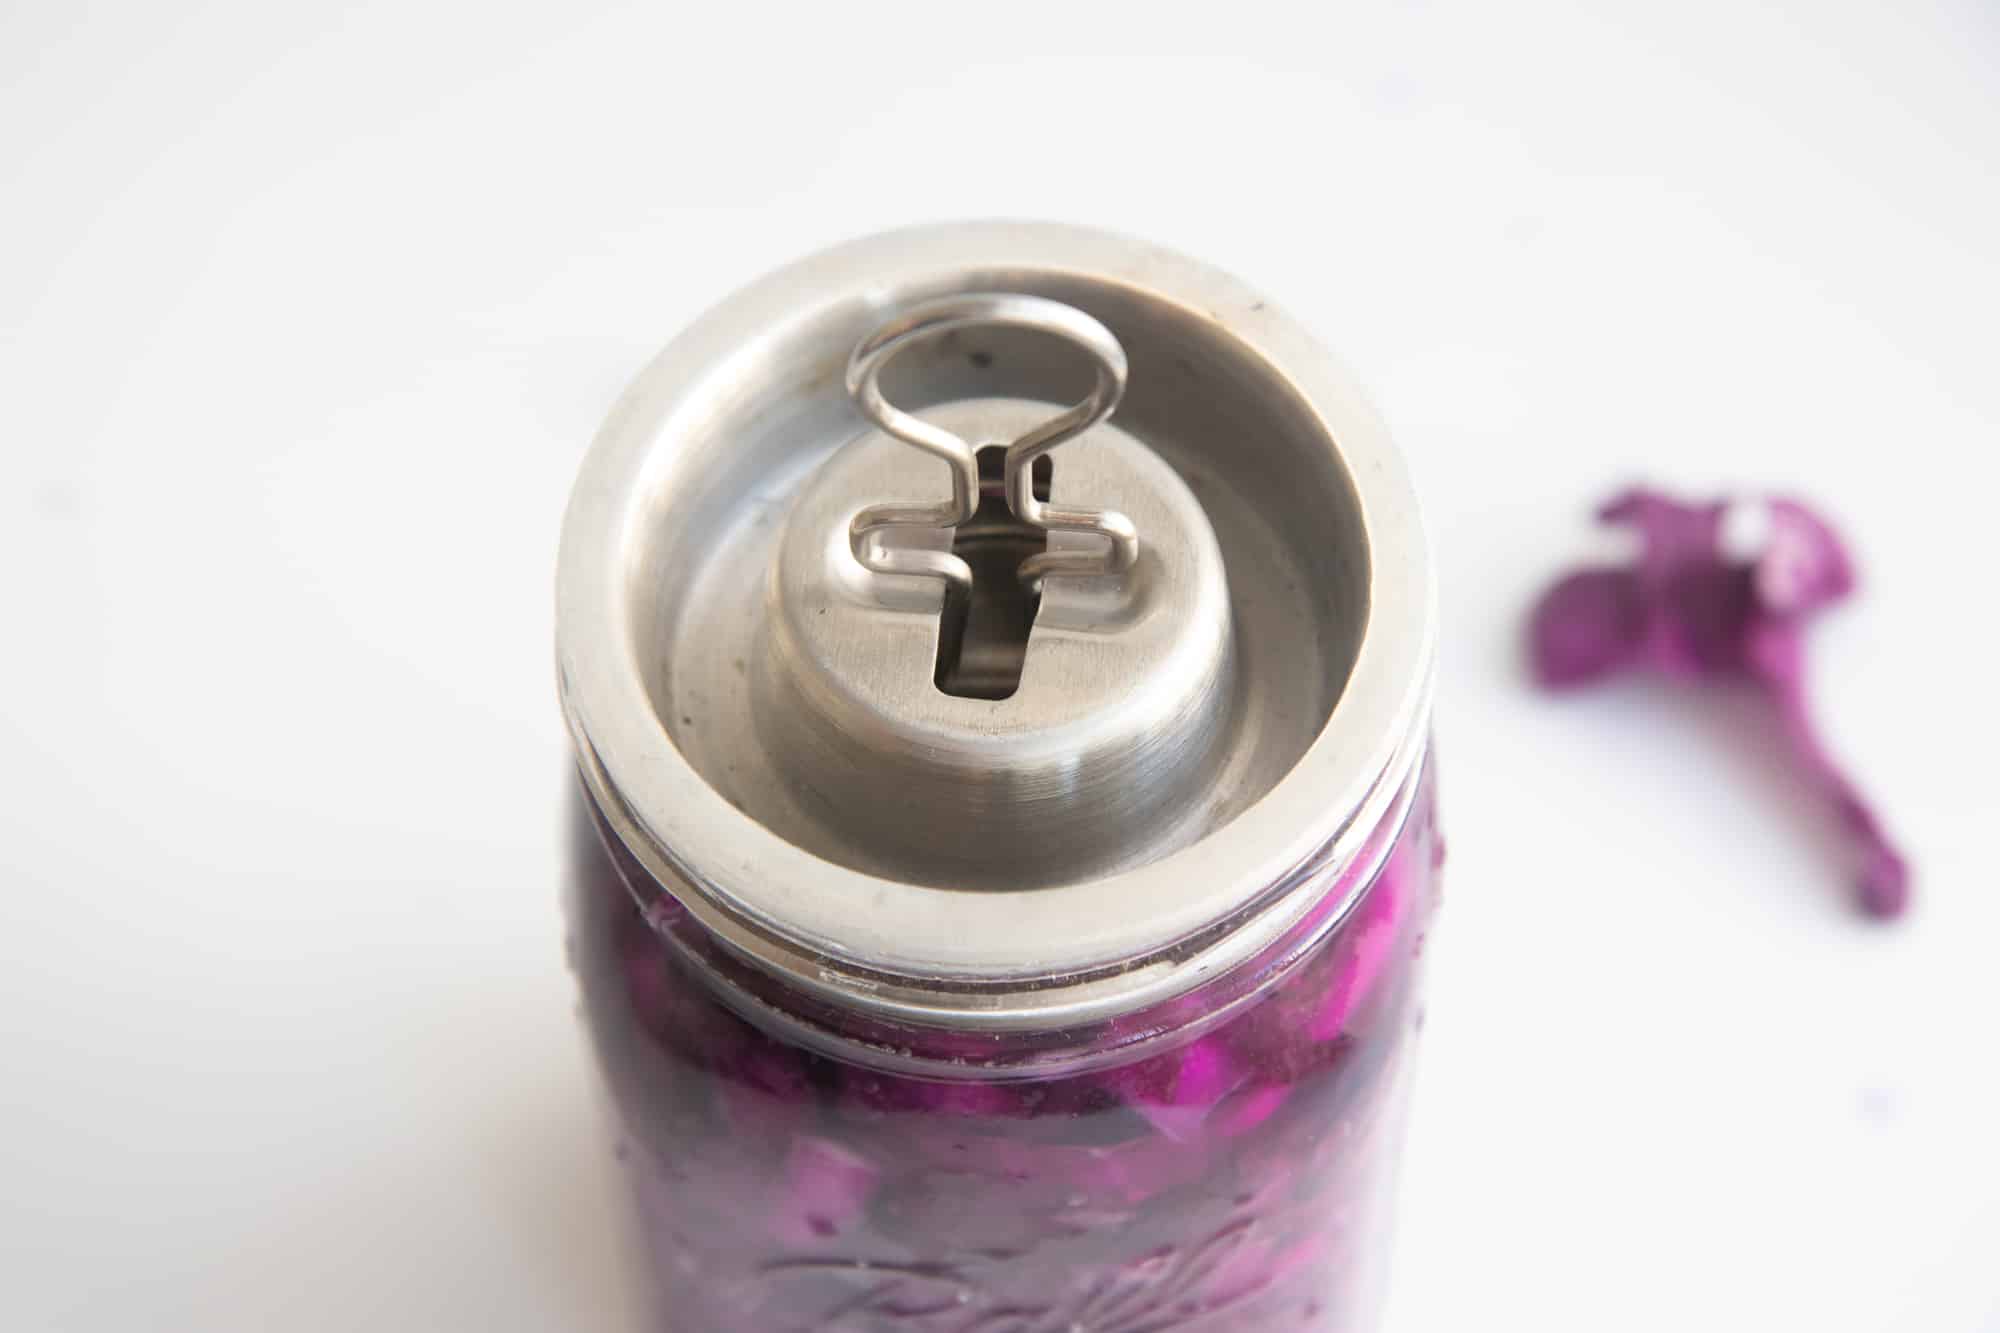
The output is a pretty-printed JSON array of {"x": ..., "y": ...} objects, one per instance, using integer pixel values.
[
  {"x": 1695, "y": 605},
  {"x": 1232, "y": 1184}
]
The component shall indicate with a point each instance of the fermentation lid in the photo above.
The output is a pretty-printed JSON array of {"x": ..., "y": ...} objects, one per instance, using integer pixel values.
[{"x": 1226, "y": 678}]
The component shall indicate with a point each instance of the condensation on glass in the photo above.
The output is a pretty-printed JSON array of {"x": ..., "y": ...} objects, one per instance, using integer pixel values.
[{"x": 999, "y": 663}]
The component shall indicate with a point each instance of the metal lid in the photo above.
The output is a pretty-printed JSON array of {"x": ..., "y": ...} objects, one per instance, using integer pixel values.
[{"x": 981, "y": 624}]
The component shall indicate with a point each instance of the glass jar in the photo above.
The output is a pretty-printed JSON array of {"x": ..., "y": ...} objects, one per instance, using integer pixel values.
[
  {"x": 1240, "y": 1181},
  {"x": 1001, "y": 915}
]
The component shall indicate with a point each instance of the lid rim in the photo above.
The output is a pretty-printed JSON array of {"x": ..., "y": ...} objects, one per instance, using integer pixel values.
[{"x": 768, "y": 900}]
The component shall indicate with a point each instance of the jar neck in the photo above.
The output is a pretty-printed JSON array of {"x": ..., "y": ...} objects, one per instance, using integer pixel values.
[{"x": 838, "y": 1020}]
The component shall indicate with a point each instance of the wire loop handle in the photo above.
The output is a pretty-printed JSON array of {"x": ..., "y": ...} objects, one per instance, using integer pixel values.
[{"x": 933, "y": 319}]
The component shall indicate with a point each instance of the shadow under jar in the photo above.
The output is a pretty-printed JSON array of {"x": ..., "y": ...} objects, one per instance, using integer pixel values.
[{"x": 999, "y": 661}]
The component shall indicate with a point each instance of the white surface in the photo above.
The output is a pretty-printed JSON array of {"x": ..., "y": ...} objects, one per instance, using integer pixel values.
[{"x": 306, "y": 313}]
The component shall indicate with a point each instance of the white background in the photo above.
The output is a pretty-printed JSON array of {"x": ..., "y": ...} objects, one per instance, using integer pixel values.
[{"x": 307, "y": 312}]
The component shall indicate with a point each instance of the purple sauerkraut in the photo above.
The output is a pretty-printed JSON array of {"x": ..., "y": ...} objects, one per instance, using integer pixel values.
[{"x": 1232, "y": 1183}]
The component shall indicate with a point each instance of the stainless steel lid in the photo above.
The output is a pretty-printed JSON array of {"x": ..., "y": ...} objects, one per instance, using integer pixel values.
[{"x": 982, "y": 624}]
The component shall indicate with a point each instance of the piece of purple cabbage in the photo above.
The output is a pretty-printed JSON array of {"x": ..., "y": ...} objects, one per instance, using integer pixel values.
[{"x": 1696, "y": 605}]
